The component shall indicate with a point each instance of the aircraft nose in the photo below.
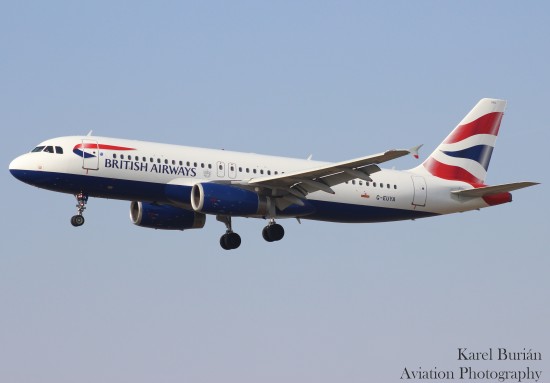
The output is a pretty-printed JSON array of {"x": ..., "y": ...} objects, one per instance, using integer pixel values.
[
  {"x": 26, "y": 168},
  {"x": 19, "y": 168},
  {"x": 15, "y": 164}
]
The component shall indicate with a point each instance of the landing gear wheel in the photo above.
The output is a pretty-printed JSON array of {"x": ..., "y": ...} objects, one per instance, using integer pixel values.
[
  {"x": 82, "y": 200},
  {"x": 273, "y": 232},
  {"x": 77, "y": 220},
  {"x": 223, "y": 242},
  {"x": 265, "y": 234},
  {"x": 230, "y": 241}
]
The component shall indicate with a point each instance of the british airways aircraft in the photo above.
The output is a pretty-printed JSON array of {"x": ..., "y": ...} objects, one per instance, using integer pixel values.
[{"x": 175, "y": 187}]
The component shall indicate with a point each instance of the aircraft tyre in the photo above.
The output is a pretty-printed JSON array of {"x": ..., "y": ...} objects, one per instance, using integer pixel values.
[
  {"x": 77, "y": 220},
  {"x": 266, "y": 235},
  {"x": 274, "y": 232},
  {"x": 230, "y": 241}
]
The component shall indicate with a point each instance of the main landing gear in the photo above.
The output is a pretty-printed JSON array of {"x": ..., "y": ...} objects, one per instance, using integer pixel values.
[
  {"x": 82, "y": 199},
  {"x": 273, "y": 232},
  {"x": 230, "y": 240}
]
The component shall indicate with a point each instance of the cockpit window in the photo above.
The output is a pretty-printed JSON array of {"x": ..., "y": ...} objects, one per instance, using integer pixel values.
[{"x": 48, "y": 149}]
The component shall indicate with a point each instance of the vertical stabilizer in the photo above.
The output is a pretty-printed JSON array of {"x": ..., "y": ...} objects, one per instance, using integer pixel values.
[{"x": 465, "y": 154}]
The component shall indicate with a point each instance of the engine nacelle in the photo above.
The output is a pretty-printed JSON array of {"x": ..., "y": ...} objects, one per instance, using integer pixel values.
[
  {"x": 211, "y": 198},
  {"x": 165, "y": 217}
]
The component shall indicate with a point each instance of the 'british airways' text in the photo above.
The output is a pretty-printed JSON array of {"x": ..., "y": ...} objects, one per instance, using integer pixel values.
[{"x": 151, "y": 168}]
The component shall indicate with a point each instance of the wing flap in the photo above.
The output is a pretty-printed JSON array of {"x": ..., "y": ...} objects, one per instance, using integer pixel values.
[{"x": 324, "y": 177}]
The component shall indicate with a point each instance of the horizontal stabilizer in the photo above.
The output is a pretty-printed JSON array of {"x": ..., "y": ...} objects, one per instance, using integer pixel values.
[{"x": 488, "y": 190}]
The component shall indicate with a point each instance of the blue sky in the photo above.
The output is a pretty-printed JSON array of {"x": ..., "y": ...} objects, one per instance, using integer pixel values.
[{"x": 112, "y": 302}]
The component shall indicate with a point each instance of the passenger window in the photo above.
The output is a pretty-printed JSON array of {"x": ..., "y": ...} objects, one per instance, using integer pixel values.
[
  {"x": 367, "y": 183},
  {"x": 247, "y": 170},
  {"x": 158, "y": 160},
  {"x": 173, "y": 162},
  {"x": 269, "y": 172},
  {"x": 353, "y": 182},
  {"x": 151, "y": 159},
  {"x": 395, "y": 186},
  {"x": 114, "y": 155},
  {"x": 262, "y": 171},
  {"x": 166, "y": 161},
  {"x": 209, "y": 166},
  {"x": 202, "y": 165},
  {"x": 361, "y": 183},
  {"x": 254, "y": 171},
  {"x": 374, "y": 184},
  {"x": 388, "y": 185},
  {"x": 144, "y": 159},
  {"x": 381, "y": 185},
  {"x": 276, "y": 172},
  {"x": 194, "y": 164},
  {"x": 181, "y": 163},
  {"x": 37, "y": 149},
  {"x": 59, "y": 150},
  {"x": 188, "y": 163}
]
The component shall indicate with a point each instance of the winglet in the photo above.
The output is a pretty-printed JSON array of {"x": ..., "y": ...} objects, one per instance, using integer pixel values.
[{"x": 414, "y": 151}]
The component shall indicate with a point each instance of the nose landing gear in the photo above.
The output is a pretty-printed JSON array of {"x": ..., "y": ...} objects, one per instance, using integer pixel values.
[{"x": 82, "y": 199}]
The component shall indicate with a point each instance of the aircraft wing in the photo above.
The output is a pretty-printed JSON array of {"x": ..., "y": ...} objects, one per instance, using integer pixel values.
[
  {"x": 488, "y": 190},
  {"x": 301, "y": 183}
]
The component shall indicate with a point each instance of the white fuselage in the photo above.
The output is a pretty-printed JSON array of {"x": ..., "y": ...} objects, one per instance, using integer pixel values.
[{"x": 140, "y": 171}]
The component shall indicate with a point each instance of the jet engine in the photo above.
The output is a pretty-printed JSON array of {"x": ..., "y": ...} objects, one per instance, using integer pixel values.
[
  {"x": 165, "y": 217},
  {"x": 212, "y": 198}
]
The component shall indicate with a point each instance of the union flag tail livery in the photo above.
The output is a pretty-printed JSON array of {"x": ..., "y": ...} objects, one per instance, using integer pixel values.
[
  {"x": 174, "y": 187},
  {"x": 466, "y": 152}
]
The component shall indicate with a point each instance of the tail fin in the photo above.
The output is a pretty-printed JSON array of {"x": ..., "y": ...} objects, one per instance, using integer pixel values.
[{"x": 465, "y": 154}]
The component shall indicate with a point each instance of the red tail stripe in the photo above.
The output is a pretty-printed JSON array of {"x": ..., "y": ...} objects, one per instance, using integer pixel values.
[
  {"x": 486, "y": 124},
  {"x": 449, "y": 172}
]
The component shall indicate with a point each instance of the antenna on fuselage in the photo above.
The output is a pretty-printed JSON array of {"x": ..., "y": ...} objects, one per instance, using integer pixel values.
[{"x": 89, "y": 133}]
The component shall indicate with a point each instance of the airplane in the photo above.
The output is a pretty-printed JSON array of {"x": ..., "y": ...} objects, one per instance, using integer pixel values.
[{"x": 174, "y": 187}]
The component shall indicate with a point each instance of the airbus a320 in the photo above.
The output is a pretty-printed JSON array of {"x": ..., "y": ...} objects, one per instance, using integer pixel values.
[{"x": 174, "y": 187}]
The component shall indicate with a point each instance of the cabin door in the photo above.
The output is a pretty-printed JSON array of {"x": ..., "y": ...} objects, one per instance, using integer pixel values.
[
  {"x": 90, "y": 154},
  {"x": 420, "y": 191}
]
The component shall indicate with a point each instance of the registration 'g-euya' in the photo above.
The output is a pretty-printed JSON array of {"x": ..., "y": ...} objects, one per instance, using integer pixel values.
[{"x": 175, "y": 187}]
